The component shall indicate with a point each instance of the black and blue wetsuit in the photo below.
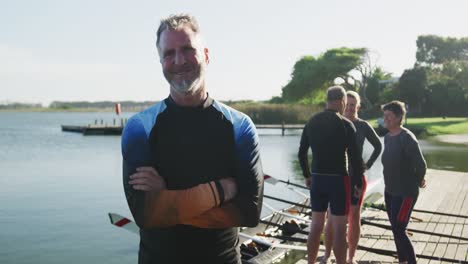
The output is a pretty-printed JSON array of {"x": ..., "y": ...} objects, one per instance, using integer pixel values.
[
  {"x": 332, "y": 139},
  {"x": 190, "y": 146}
]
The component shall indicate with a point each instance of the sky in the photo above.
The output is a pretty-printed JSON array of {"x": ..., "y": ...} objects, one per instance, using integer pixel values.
[{"x": 95, "y": 50}]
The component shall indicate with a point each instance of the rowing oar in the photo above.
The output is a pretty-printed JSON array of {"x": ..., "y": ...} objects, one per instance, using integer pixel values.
[
  {"x": 382, "y": 207},
  {"x": 286, "y": 201},
  {"x": 287, "y": 238},
  {"x": 385, "y": 252},
  {"x": 376, "y": 224},
  {"x": 129, "y": 225},
  {"x": 285, "y": 214},
  {"x": 304, "y": 240},
  {"x": 123, "y": 222},
  {"x": 274, "y": 181},
  {"x": 365, "y": 222}
]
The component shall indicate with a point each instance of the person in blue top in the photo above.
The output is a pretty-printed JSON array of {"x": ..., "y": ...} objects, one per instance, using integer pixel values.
[{"x": 191, "y": 165}]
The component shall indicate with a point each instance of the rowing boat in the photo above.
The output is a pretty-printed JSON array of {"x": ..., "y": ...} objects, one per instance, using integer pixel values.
[{"x": 279, "y": 236}]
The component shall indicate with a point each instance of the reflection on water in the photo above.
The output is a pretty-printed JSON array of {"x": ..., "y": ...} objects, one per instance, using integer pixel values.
[{"x": 445, "y": 156}]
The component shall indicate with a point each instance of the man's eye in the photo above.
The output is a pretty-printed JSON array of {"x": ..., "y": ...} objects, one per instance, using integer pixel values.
[{"x": 168, "y": 54}]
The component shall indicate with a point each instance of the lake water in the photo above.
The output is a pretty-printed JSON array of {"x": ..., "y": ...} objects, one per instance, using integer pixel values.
[{"x": 57, "y": 188}]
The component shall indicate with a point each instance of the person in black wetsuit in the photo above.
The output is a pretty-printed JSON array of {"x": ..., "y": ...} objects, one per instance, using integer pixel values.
[
  {"x": 332, "y": 138},
  {"x": 363, "y": 131},
  {"x": 191, "y": 165}
]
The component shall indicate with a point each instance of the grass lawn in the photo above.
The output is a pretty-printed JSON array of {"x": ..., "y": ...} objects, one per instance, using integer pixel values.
[
  {"x": 439, "y": 126},
  {"x": 434, "y": 126}
]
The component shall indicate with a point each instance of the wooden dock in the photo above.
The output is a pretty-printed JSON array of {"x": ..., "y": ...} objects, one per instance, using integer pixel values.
[
  {"x": 97, "y": 129},
  {"x": 446, "y": 192},
  {"x": 94, "y": 129},
  {"x": 282, "y": 126}
]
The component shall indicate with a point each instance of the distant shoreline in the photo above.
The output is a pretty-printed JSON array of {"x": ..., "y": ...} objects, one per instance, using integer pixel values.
[
  {"x": 48, "y": 110},
  {"x": 424, "y": 127},
  {"x": 52, "y": 110}
]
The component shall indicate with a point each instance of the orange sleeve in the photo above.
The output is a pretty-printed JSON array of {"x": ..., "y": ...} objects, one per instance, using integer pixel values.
[
  {"x": 171, "y": 207},
  {"x": 225, "y": 216}
]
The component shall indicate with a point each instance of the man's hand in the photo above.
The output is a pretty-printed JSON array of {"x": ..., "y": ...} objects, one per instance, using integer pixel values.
[
  {"x": 308, "y": 181},
  {"x": 230, "y": 188},
  {"x": 357, "y": 192},
  {"x": 423, "y": 183},
  {"x": 368, "y": 166},
  {"x": 147, "y": 179}
]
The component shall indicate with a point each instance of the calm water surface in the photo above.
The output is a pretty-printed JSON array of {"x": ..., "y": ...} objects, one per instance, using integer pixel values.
[{"x": 57, "y": 187}]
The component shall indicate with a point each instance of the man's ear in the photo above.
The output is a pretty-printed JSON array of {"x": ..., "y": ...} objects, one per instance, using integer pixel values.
[{"x": 207, "y": 55}]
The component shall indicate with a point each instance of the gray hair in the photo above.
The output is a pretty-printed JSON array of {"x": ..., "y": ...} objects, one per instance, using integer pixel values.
[
  {"x": 398, "y": 108},
  {"x": 335, "y": 93},
  {"x": 174, "y": 22},
  {"x": 354, "y": 95}
]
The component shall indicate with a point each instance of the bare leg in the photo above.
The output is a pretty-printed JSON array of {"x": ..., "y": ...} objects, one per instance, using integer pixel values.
[
  {"x": 338, "y": 223},
  {"x": 313, "y": 242},
  {"x": 354, "y": 230},
  {"x": 328, "y": 237}
]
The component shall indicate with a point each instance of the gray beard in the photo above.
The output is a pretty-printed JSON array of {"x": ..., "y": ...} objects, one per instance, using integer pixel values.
[
  {"x": 187, "y": 86},
  {"x": 190, "y": 87}
]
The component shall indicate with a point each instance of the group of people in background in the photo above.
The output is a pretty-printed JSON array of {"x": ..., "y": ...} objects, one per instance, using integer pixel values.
[
  {"x": 337, "y": 180},
  {"x": 192, "y": 171}
]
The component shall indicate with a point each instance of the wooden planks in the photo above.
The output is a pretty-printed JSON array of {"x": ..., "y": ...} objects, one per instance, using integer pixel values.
[{"x": 446, "y": 192}]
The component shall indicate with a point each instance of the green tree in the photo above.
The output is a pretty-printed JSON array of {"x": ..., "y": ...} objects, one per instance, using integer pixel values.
[
  {"x": 412, "y": 87},
  {"x": 437, "y": 103},
  {"x": 312, "y": 75},
  {"x": 432, "y": 49},
  {"x": 448, "y": 89},
  {"x": 375, "y": 87},
  {"x": 303, "y": 79}
]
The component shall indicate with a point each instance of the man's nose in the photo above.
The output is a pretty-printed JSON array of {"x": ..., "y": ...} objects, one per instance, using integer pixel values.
[{"x": 179, "y": 58}]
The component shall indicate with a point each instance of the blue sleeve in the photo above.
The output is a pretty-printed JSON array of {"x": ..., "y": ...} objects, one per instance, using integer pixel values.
[
  {"x": 135, "y": 153},
  {"x": 249, "y": 172}
]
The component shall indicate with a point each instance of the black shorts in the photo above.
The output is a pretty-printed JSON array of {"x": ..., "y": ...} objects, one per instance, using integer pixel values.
[{"x": 330, "y": 190}]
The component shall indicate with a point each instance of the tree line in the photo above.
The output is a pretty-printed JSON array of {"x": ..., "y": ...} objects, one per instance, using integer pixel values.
[
  {"x": 437, "y": 84},
  {"x": 15, "y": 105},
  {"x": 125, "y": 105}
]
